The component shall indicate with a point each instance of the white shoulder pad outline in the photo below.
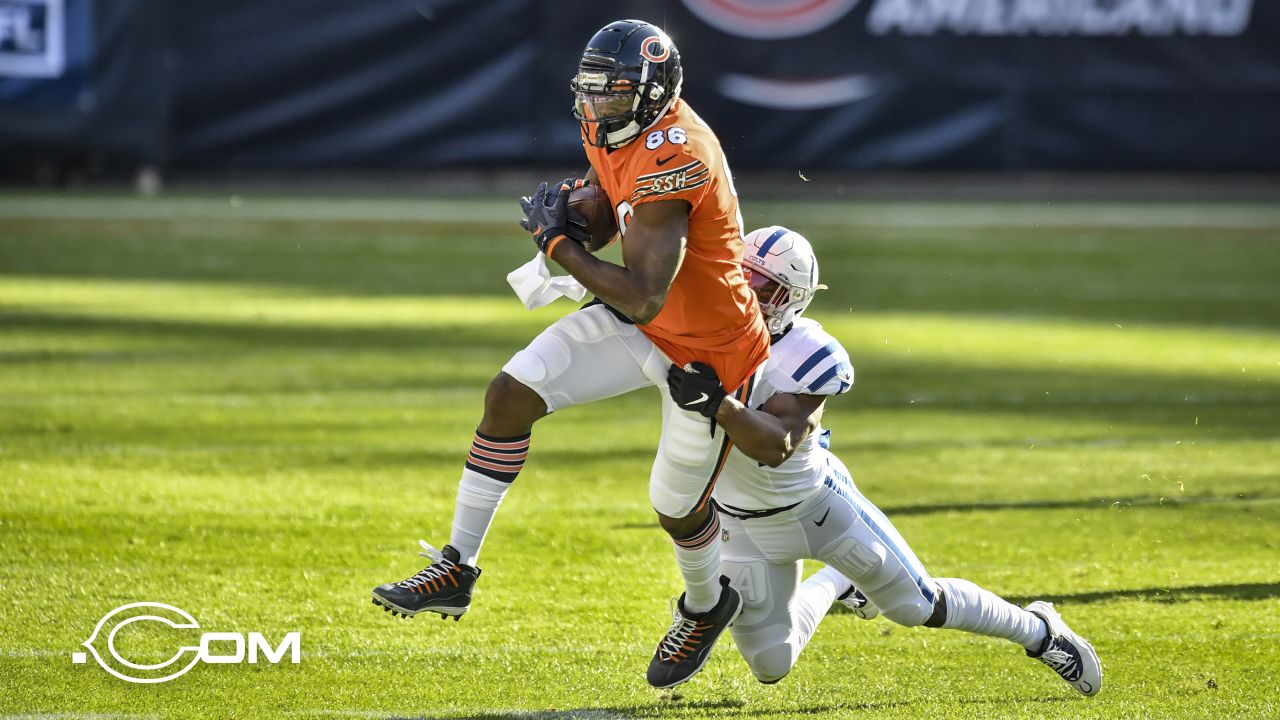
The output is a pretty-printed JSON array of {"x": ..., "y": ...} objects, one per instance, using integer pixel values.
[{"x": 816, "y": 363}]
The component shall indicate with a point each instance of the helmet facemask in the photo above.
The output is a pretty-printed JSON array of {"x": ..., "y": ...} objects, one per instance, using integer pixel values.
[
  {"x": 780, "y": 302},
  {"x": 606, "y": 110}
]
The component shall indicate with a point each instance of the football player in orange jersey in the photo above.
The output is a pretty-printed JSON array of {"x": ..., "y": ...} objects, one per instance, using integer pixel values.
[{"x": 679, "y": 298}]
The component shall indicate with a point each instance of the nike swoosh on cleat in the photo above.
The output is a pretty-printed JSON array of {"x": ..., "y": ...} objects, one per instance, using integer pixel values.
[
  {"x": 695, "y": 402},
  {"x": 824, "y": 518},
  {"x": 664, "y": 161}
]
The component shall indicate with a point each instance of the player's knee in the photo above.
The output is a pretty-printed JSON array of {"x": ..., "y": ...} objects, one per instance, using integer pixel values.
[
  {"x": 507, "y": 395},
  {"x": 680, "y": 527},
  {"x": 675, "y": 509},
  {"x": 510, "y": 407},
  {"x": 909, "y": 614},
  {"x": 675, "y": 490},
  {"x": 772, "y": 664}
]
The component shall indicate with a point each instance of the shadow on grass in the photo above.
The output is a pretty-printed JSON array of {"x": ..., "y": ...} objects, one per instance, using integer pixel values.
[
  {"x": 1087, "y": 503},
  {"x": 340, "y": 258},
  {"x": 714, "y": 708},
  {"x": 662, "y": 708},
  {"x": 1189, "y": 593},
  {"x": 267, "y": 336}
]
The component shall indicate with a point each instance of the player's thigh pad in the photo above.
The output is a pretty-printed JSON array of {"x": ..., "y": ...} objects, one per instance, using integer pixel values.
[
  {"x": 585, "y": 356},
  {"x": 859, "y": 541},
  {"x": 688, "y": 460},
  {"x": 689, "y": 457},
  {"x": 764, "y": 633}
]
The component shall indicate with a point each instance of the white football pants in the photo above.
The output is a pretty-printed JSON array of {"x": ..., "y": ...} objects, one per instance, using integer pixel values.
[
  {"x": 836, "y": 525},
  {"x": 591, "y": 355}
]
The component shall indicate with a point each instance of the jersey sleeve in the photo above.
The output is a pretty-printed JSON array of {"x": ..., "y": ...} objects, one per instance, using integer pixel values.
[
  {"x": 818, "y": 365},
  {"x": 673, "y": 171}
]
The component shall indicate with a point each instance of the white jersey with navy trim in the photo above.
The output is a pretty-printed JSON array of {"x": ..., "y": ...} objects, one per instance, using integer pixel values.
[{"x": 806, "y": 361}]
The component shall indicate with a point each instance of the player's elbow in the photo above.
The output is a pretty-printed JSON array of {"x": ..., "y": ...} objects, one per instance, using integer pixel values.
[
  {"x": 648, "y": 307},
  {"x": 781, "y": 451},
  {"x": 775, "y": 461},
  {"x": 773, "y": 453},
  {"x": 779, "y": 456}
]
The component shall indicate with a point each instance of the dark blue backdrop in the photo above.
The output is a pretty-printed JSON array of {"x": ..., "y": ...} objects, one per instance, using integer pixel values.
[{"x": 805, "y": 84}]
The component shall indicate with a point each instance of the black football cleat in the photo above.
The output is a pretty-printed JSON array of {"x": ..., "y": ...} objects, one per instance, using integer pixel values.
[
  {"x": 442, "y": 587},
  {"x": 687, "y": 645},
  {"x": 858, "y": 603},
  {"x": 1066, "y": 653}
]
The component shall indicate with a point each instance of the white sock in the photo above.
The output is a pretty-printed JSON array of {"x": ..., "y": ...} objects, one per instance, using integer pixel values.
[
  {"x": 478, "y": 500},
  {"x": 699, "y": 559},
  {"x": 814, "y": 598},
  {"x": 972, "y": 609}
]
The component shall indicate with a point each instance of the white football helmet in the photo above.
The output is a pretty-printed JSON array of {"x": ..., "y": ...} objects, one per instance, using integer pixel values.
[{"x": 785, "y": 257}]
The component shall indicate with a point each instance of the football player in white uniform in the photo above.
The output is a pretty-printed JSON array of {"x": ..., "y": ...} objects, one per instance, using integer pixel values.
[{"x": 783, "y": 498}]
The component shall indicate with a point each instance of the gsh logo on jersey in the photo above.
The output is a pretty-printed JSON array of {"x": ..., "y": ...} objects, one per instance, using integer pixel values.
[{"x": 215, "y": 648}]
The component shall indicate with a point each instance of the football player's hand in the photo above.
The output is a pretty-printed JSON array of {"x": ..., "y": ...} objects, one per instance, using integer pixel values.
[
  {"x": 695, "y": 387},
  {"x": 547, "y": 215}
]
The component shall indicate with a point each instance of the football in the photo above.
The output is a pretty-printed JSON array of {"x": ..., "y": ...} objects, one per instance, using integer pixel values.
[{"x": 594, "y": 205}]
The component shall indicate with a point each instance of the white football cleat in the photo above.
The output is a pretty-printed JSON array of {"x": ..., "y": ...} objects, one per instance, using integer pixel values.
[
  {"x": 858, "y": 603},
  {"x": 1066, "y": 653}
]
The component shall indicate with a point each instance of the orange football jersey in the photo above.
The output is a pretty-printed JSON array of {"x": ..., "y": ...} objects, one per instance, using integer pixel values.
[{"x": 710, "y": 315}]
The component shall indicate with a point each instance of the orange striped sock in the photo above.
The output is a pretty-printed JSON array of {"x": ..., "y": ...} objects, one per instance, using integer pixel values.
[{"x": 498, "y": 458}]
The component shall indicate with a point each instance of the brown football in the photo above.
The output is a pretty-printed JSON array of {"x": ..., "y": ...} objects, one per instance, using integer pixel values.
[{"x": 594, "y": 205}]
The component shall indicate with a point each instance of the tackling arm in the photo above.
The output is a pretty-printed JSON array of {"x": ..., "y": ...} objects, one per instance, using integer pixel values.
[
  {"x": 652, "y": 253},
  {"x": 771, "y": 434}
]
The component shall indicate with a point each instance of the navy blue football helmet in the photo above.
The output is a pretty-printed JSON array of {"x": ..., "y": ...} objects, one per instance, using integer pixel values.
[{"x": 628, "y": 78}]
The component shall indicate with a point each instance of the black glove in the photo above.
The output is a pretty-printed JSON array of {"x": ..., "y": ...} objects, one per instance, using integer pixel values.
[
  {"x": 547, "y": 214},
  {"x": 695, "y": 387}
]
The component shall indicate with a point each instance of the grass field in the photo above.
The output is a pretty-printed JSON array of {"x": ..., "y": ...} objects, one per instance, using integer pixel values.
[{"x": 252, "y": 409}]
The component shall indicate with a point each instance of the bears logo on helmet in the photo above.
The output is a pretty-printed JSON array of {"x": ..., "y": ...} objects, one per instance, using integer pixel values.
[{"x": 660, "y": 54}]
